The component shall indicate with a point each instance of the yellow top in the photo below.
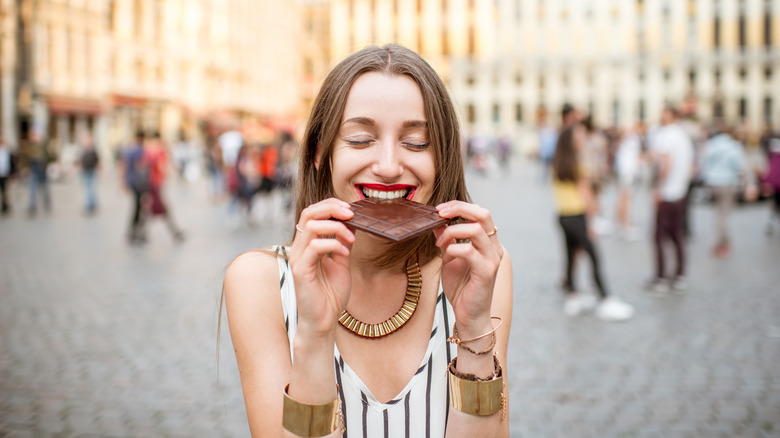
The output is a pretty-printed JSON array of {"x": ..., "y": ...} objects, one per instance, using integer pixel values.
[{"x": 568, "y": 197}]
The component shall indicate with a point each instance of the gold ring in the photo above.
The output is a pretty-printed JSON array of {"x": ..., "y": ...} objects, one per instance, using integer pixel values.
[
  {"x": 298, "y": 227},
  {"x": 492, "y": 232}
]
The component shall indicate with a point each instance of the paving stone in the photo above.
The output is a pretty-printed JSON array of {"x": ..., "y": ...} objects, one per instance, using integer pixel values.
[{"x": 101, "y": 339}]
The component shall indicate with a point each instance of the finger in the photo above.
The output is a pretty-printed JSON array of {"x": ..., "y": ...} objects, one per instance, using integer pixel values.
[
  {"x": 478, "y": 264},
  {"x": 472, "y": 231},
  {"x": 470, "y": 212},
  {"x": 318, "y": 248},
  {"x": 327, "y": 229},
  {"x": 326, "y": 209}
]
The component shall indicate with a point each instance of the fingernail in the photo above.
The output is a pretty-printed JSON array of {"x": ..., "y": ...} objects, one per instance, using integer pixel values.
[{"x": 347, "y": 210}]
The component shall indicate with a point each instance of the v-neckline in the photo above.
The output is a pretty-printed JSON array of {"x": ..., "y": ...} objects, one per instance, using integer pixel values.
[{"x": 432, "y": 344}]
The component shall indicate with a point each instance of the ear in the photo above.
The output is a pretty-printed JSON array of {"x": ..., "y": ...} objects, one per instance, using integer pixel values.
[{"x": 317, "y": 155}]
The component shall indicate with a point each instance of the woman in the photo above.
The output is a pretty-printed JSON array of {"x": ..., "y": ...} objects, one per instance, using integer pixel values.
[
  {"x": 575, "y": 202},
  {"x": 382, "y": 125}
]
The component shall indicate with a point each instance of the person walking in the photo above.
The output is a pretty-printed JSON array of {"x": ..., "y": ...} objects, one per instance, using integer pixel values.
[
  {"x": 318, "y": 334},
  {"x": 7, "y": 169},
  {"x": 627, "y": 163},
  {"x": 155, "y": 158},
  {"x": 723, "y": 166},
  {"x": 89, "y": 163},
  {"x": 37, "y": 161},
  {"x": 576, "y": 204},
  {"x": 136, "y": 180},
  {"x": 672, "y": 155},
  {"x": 771, "y": 179}
]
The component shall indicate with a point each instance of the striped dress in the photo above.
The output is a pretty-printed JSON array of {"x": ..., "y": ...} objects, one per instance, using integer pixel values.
[{"x": 419, "y": 410}]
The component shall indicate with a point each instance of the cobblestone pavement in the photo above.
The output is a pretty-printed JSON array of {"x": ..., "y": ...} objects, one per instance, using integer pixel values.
[{"x": 101, "y": 339}]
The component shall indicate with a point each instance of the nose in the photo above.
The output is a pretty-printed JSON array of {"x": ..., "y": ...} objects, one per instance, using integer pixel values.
[{"x": 387, "y": 164}]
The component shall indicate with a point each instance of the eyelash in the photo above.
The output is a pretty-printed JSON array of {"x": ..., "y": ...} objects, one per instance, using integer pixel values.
[{"x": 414, "y": 146}]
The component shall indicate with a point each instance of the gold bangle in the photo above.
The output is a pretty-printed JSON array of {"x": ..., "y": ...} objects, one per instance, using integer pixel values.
[
  {"x": 311, "y": 420},
  {"x": 474, "y": 396},
  {"x": 455, "y": 340}
]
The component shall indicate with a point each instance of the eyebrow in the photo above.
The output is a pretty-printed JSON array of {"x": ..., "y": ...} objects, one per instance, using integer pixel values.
[{"x": 370, "y": 122}]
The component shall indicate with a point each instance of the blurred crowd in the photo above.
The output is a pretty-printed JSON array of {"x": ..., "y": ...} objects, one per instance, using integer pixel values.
[{"x": 243, "y": 172}]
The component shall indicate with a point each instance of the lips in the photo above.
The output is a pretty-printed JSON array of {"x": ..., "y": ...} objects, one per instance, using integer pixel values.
[{"x": 383, "y": 191}]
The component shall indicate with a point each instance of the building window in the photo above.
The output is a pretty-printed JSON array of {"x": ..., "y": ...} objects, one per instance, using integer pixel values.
[
  {"x": 470, "y": 80},
  {"x": 519, "y": 79},
  {"x": 717, "y": 77},
  {"x": 496, "y": 113},
  {"x": 742, "y": 108},
  {"x": 768, "y": 73},
  {"x": 541, "y": 84},
  {"x": 471, "y": 115},
  {"x": 742, "y": 73},
  {"x": 717, "y": 109},
  {"x": 768, "y": 24},
  {"x": 768, "y": 110},
  {"x": 692, "y": 78},
  {"x": 667, "y": 75},
  {"x": 519, "y": 112},
  {"x": 642, "y": 110},
  {"x": 741, "y": 31},
  {"x": 615, "y": 112},
  {"x": 716, "y": 32}
]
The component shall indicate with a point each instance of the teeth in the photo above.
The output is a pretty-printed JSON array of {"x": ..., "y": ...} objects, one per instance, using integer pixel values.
[{"x": 384, "y": 194}]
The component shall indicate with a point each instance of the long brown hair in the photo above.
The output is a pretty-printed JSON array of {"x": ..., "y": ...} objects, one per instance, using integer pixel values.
[
  {"x": 315, "y": 182},
  {"x": 565, "y": 162}
]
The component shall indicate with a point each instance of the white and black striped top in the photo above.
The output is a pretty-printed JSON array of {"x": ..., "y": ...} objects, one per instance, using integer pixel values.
[{"x": 422, "y": 407}]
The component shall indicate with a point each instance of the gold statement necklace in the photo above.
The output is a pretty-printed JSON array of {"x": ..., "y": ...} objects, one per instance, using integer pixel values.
[{"x": 374, "y": 331}]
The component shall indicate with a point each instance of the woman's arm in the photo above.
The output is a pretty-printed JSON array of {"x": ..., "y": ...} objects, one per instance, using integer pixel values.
[
  {"x": 256, "y": 319},
  {"x": 477, "y": 279}
]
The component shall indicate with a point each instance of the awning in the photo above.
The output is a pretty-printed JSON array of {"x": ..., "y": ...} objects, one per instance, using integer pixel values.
[{"x": 59, "y": 105}]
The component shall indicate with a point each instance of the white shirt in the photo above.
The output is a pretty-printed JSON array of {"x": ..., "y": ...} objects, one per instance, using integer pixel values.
[
  {"x": 671, "y": 140},
  {"x": 230, "y": 142}
]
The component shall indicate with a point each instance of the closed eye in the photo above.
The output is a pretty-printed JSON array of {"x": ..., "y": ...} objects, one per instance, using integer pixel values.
[
  {"x": 420, "y": 146},
  {"x": 358, "y": 141}
]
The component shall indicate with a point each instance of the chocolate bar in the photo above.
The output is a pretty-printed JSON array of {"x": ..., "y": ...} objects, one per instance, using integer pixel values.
[{"x": 395, "y": 219}]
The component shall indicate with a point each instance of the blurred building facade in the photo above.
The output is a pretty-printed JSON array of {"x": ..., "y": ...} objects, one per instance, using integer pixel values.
[
  {"x": 621, "y": 60},
  {"x": 111, "y": 67}
]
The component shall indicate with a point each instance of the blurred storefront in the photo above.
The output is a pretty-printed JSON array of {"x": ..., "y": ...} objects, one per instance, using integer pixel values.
[{"x": 112, "y": 68}]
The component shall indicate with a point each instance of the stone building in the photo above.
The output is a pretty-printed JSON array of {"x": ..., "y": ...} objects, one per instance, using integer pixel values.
[
  {"x": 111, "y": 67},
  {"x": 620, "y": 60}
]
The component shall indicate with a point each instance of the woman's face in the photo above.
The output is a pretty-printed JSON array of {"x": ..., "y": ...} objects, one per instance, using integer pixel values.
[{"x": 382, "y": 149}]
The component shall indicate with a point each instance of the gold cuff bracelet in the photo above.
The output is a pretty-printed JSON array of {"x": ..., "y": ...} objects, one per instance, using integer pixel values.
[
  {"x": 311, "y": 420},
  {"x": 474, "y": 396}
]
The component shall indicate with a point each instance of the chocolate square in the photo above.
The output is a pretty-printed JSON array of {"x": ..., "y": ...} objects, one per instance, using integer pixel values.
[{"x": 395, "y": 219}]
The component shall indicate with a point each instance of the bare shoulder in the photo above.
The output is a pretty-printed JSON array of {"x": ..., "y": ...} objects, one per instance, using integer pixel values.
[{"x": 252, "y": 276}]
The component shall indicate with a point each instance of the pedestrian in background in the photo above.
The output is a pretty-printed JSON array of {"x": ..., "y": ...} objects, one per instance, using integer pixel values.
[
  {"x": 155, "y": 158},
  {"x": 595, "y": 159},
  {"x": 548, "y": 136},
  {"x": 135, "y": 175},
  {"x": 576, "y": 204},
  {"x": 771, "y": 179},
  {"x": 38, "y": 159},
  {"x": 723, "y": 167},
  {"x": 89, "y": 163},
  {"x": 672, "y": 156},
  {"x": 7, "y": 169},
  {"x": 627, "y": 162}
]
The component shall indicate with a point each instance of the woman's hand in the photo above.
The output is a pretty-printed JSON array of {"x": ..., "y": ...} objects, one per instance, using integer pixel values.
[
  {"x": 469, "y": 269},
  {"x": 319, "y": 260}
]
